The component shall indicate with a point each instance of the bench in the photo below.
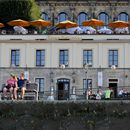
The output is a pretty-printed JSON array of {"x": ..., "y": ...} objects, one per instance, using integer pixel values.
[{"x": 31, "y": 92}]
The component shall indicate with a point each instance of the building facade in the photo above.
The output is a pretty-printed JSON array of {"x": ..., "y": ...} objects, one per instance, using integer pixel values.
[
  {"x": 81, "y": 10},
  {"x": 64, "y": 62}
]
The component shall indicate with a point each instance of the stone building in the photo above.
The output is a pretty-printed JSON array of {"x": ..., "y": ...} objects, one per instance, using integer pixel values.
[{"x": 65, "y": 62}]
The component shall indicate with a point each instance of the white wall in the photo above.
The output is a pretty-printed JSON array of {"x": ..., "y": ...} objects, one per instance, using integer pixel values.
[{"x": 100, "y": 53}]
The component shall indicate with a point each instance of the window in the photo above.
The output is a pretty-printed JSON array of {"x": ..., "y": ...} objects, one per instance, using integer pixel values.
[
  {"x": 44, "y": 16},
  {"x": 113, "y": 58},
  {"x": 87, "y": 84},
  {"x": 81, "y": 18},
  {"x": 87, "y": 57},
  {"x": 63, "y": 57},
  {"x": 103, "y": 17},
  {"x": 123, "y": 17},
  {"x": 62, "y": 17},
  {"x": 40, "y": 57},
  {"x": 40, "y": 82},
  {"x": 15, "y": 55}
]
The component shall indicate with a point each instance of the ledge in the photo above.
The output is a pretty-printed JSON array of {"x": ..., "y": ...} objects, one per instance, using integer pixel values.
[{"x": 64, "y": 37}]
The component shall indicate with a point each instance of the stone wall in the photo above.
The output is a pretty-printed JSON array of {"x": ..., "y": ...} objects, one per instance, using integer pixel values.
[
  {"x": 75, "y": 75},
  {"x": 92, "y": 7}
]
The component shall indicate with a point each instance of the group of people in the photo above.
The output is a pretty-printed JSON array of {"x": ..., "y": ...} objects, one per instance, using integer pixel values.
[
  {"x": 13, "y": 84},
  {"x": 107, "y": 94}
]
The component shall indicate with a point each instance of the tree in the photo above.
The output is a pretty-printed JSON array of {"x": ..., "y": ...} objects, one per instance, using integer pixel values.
[{"x": 18, "y": 9}]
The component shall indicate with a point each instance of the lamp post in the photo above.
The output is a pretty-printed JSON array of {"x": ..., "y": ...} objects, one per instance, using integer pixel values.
[
  {"x": 73, "y": 94},
  {"x": 51, "y": 97}
]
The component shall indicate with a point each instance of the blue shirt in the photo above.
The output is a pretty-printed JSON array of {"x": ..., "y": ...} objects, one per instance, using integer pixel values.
[{"x": 21, "y": 82}]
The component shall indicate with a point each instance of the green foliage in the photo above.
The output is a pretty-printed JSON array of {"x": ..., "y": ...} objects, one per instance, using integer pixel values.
[
  {"x": 18, "y": 9},
  {"x": 63, "y": 115}
]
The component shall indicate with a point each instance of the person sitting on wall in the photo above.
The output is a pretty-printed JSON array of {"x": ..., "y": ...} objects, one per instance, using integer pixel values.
[
  {"x": 98, "y": 95},
  {"x": 11, "y": 86},
  {"x": 22, "y": 84},
  {"x": 121, "y": 92}
]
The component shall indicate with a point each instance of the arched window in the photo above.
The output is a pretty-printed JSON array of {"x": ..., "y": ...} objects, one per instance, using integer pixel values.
[
  {"x": 44, "y": 16},
  {"x": 123, "y": 17},
  {"x": 104, "y": 17},
  {"x": 62, "y": 17},
  {"x": 82, "y": 17}
]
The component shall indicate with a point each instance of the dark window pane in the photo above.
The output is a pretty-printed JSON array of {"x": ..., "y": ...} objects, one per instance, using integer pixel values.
[
  {"x": 62, "y": 17},
  {"x": 40, "y": 82},
  {"x": 44, "y": 16},
  {"x": 81, "y": 18},
  {"x": 123, "y": 17},
  {"x": 40, "y": 57},
  {"x": 113, "y": 57},
  {"x": 87, "y": 56},
  {"x": 15, "y": 57},
  {"x": 104, "y": 17},
  {"x": 63, "y": 57}
]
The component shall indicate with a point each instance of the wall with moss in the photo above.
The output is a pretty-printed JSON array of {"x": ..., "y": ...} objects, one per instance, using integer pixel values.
[{"x": 64, "y": 115}]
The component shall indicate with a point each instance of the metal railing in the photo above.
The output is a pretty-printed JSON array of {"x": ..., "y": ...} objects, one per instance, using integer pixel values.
[{"x": 90, "y": 94}]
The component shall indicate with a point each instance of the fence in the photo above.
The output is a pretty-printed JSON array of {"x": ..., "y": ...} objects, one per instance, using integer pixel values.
[{"x": 80, "y": 94}]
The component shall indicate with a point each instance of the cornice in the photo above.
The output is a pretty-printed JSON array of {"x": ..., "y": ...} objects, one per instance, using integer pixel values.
[{"x": 84, "y": 2}]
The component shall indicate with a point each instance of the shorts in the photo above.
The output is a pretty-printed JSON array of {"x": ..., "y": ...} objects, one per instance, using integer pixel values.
[
  {"x": 20, "y": 87},
  {"x": 10, "y": 86}
]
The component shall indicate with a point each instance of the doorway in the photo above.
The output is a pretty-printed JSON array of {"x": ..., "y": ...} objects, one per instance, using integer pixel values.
[
  {"x": 63, "y": 86},
  {"x": 113, "y": 84}
]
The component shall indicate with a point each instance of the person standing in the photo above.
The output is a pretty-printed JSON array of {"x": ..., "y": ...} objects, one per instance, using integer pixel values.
[{"x": 108, "y": 93}]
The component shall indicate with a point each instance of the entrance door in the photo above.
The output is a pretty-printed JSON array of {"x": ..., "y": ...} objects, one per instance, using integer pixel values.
[
  {"x": 63, "y": 89},
  {"x": 113, "y": 83}
]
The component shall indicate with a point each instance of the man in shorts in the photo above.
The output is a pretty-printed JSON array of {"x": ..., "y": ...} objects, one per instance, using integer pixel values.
[{"x": 22, "y": 84}]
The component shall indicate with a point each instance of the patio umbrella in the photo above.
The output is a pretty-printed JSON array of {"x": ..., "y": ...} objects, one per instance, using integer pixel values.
[
  {"x": 66, "y": 24},
  {"x": 40, "y": 22},
  {"x": 119, "y": 24},
  {"x": 1, "y": 25},
  {"x": 19, "y": 22},
  {"x": 93, "y": 23}
]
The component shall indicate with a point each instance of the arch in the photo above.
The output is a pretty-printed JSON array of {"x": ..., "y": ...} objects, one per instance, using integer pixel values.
[
  {"x": 44, "y": 16},
  {"x": 123, "y": 16},
  {"x": 104, "y": 17},
  {"x": 82, "y": 17},
  {"x": 62, "y": 17}
]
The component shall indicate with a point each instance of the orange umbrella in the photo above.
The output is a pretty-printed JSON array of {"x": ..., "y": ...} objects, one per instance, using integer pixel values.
[
  {"x": 119, "y": 24},
  {"x": 19, "y": 22},
  {"x": 66, "y": 24},
  {"x": 93, "y": 23},
  {"x": 40, "y": 22},
  {"x": 1, "y": 25}
]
